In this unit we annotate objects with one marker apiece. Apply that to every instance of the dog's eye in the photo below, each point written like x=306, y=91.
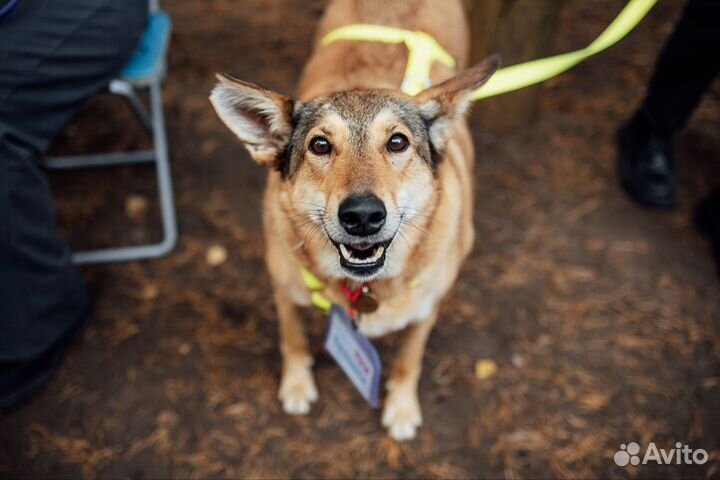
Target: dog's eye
x=398, y=143
x=320, y=146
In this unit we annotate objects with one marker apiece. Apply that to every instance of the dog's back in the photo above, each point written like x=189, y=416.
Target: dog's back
x=346, y=65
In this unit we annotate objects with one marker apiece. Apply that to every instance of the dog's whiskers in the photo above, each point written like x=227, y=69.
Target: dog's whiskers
x=411, y=224
x=317, y=205
x=404, y=237
x=307, y=239
x=415, y=213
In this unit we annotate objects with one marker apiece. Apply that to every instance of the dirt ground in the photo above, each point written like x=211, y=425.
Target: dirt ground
x=603, y=317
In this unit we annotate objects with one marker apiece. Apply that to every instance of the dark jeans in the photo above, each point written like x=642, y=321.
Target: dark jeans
x=686, y=68
x=54, y=55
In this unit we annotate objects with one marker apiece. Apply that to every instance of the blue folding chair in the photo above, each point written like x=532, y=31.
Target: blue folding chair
x=146, y=70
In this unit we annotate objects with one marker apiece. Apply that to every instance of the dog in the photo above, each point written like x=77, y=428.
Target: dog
x=368, y=186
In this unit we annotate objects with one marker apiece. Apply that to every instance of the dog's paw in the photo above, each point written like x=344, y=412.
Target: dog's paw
x=297, y=391
x=401, y=415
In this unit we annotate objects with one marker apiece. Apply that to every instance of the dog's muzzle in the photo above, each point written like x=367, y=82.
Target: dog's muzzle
x=362, y=217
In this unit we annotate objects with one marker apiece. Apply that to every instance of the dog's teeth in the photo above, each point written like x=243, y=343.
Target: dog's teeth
x=347, y=253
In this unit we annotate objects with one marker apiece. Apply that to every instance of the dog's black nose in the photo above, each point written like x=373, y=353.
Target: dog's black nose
x=362, y=215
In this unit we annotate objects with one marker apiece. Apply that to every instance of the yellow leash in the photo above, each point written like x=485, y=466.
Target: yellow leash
x=423, y=50
x=526, y=74
x=319, y=301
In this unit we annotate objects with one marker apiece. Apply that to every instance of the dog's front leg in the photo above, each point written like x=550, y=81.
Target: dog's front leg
x=401, y=414
x=297, y=386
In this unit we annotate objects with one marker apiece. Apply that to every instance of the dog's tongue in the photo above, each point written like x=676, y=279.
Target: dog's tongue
x=363, y=246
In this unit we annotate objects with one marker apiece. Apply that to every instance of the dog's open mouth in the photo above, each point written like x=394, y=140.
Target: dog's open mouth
x=362, y=259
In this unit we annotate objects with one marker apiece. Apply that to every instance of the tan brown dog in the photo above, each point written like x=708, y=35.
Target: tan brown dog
x=368, y=185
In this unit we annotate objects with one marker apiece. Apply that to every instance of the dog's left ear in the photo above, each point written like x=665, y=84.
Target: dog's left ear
x=261, y=118
x=443, y=104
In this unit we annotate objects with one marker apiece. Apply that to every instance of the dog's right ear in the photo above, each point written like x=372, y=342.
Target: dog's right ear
x=262, y=119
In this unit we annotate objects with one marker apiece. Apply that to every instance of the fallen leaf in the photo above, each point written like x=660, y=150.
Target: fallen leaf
x=136, y=207
x=150, y=292
x=216, y=255
x=485, y=368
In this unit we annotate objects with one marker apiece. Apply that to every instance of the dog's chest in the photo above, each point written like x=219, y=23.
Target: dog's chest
x=390, y=318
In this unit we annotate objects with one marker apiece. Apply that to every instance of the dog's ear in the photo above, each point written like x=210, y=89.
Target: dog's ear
x=261, y=118
x=441, y=105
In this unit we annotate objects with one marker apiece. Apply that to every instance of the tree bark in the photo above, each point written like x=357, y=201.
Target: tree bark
x=519, y=30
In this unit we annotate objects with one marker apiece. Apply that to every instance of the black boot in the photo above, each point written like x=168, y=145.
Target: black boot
x=646, y=165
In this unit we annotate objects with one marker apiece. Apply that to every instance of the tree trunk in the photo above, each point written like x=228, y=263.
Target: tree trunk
x=519, y=30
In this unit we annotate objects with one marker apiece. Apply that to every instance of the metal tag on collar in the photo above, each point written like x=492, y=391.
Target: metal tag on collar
x=366, y=302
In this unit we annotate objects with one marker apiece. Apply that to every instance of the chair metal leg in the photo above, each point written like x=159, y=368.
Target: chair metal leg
x=125, y=89
x=71, y=162
x=167, y=206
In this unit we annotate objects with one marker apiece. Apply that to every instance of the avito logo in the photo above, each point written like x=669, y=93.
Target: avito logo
x=680, y=455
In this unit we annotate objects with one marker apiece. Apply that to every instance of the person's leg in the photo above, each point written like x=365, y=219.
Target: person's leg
x=707, y=219
x=685, y=69
x=54, y=55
